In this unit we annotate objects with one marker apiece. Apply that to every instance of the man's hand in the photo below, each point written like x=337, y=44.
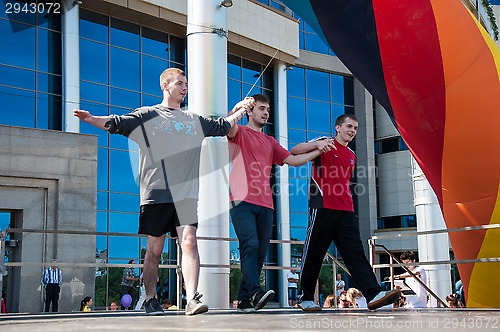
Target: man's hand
x=84, y=116
x=325, y=145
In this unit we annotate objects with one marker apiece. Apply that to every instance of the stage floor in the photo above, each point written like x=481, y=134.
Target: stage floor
x=264, y=320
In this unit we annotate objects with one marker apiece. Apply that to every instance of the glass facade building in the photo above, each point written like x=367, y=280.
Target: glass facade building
x=120, y=63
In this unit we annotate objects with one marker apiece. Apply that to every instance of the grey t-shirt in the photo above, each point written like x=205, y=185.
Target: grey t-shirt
x=170, y=144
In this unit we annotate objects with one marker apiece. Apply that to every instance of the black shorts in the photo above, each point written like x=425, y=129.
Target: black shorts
x=160, y=219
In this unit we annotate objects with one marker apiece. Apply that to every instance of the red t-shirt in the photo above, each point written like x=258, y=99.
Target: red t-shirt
x=252, y=155
x=331, y=174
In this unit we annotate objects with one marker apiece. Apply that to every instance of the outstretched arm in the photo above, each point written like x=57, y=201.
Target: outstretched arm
x=323, y=145
x=237, y=113
x=308, y=151
x=98, y=121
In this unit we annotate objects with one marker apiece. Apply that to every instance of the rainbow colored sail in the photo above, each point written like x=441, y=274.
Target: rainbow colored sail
x=436, y=71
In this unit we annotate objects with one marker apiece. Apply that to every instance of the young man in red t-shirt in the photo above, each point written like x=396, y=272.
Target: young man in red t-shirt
x=252, y=155
x=332, y=218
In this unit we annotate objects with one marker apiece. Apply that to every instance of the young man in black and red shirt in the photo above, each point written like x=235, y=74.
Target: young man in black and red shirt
x=332, y=218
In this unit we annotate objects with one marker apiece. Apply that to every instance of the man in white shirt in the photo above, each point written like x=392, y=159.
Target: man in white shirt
x=339, y=285
x=419, y=300
x=293, y=281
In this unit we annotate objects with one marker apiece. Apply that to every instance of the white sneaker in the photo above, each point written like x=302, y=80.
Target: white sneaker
x=309, y=306
x=384, y=299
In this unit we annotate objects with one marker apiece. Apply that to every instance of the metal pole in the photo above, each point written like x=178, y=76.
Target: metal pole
x=3, y=236
x=283, y=195
x=207, y=73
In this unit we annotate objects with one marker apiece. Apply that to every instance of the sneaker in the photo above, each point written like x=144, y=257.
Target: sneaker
x=260, y=299
x=309, y=306
x=384, y=298
x=153, y=307
x=195, y=307
x=245, y=306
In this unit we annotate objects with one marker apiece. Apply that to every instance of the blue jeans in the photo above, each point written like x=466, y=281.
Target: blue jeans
x=253, y=225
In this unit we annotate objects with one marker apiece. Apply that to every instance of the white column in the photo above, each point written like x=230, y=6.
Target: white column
x=365, y=164
x=71, y=65
x=207, y=77
x=282, y=199
x=433, y=247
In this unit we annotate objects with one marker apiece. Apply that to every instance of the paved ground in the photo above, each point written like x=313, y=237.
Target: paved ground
x=265, y=320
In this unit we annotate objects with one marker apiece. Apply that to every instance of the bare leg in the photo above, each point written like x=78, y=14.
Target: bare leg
x=190, y=259
x=154, y=248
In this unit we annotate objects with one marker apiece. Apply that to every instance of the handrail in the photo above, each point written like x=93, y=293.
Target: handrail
x=411, y=273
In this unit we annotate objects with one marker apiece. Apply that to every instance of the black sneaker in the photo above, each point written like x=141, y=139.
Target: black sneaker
x=260, y=299
x=153, y=307
x=195, y=306
x=245, y=306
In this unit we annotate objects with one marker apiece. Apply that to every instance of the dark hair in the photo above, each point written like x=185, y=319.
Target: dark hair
x=341, y=119
x=263, y=99
x=130, y=261
x=85, y=300
x=407, y=255
x=454, y=300
x=166, y=301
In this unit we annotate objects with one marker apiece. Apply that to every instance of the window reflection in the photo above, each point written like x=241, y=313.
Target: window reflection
x=124, y=69
x=19, y=40
x=124, y=34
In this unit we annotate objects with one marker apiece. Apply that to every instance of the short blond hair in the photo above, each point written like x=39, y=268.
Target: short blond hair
x=167, y=75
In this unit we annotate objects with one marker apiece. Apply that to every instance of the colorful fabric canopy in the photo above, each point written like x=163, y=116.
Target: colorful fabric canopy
x=435, y=70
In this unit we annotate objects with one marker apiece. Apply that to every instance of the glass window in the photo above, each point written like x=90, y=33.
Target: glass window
x=85, y=128
x=124, y=223
x=155, y=43
x=124, y=98
x=150, y=100
x=349, y=91
x=102, y=169
x=49, y=51
x=126, y=203
x=296, y=82
x=299, y=220
x=94, y=26
x=318, y=117
x=251, y=72
x=18, y=78
x=49, y=83
x=317, y=85
x=49, y=111
x=93, y=62
x=296, y=136
x=23, y=102
x=124, y=34
x=94, y=92
x=102, y=200
x=233, y=92
x=121, y=176
x=337, y=83
x=125, y=69
x=178, y=52
x=296, y=113
x=123, y=247
x=50, y=21
x=42, y=112
x=389, y=145
x=315, y=44
x=101, y=222
x=19, y=40
x=298, y=233
x=151, y=70
x=298, y=189
x=233, y=67
x=21, y=16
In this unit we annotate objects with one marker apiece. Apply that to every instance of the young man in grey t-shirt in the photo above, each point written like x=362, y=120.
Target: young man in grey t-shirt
x=170, y=141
